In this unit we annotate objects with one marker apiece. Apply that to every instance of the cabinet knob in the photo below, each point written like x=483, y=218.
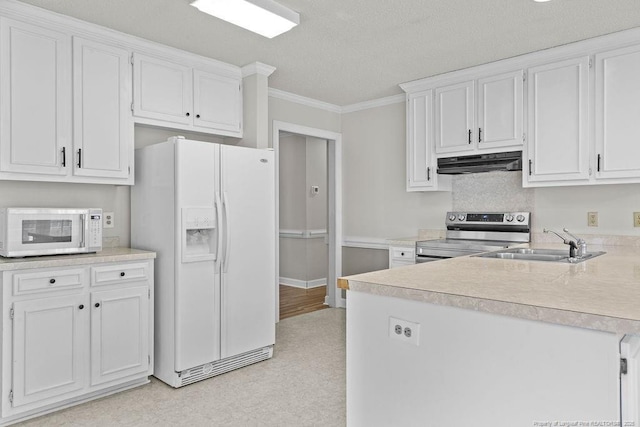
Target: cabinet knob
x=188, y=114
x=97, y=305
x=52, y=281
x=402, y=253
x=81, y=306
x=197, y=116
x=122, y=274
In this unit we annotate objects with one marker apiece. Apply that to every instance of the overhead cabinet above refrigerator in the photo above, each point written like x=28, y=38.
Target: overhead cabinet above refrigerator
x=208, y=210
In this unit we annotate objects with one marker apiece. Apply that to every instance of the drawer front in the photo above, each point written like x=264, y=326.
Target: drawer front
x=48, y=280
x=119, y=273
x=401, y=253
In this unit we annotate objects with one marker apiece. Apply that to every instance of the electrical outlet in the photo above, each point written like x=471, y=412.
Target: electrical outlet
x=108, y=220
x=636, y=219
x=405, y=331
x=592, y=219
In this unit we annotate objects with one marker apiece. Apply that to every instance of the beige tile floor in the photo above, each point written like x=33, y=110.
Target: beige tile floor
x=302, y=385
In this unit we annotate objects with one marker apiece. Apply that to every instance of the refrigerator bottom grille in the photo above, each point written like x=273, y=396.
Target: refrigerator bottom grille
x=209, y=370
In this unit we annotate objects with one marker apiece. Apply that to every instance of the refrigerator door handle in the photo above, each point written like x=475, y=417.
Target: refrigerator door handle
x=218, y=205
x=227, y=231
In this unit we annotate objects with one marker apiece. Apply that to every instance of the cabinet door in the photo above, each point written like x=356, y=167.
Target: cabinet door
x=35, y=81
x=420, y=159
x=162, y=90
x=49, y=348
x=618, y=113
x=557, y=137
x=102, y=131
x=119, y=333
x=500, y=110
x=454, y=118
x=217, y=101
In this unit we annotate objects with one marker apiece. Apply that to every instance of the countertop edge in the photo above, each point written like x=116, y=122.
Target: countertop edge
x=511, y=309
x=106, y=255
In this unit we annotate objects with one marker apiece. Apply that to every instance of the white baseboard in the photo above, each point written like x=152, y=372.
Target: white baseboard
x=303, y=284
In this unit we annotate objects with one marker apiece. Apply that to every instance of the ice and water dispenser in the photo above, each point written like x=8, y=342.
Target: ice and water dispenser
x=199, y=234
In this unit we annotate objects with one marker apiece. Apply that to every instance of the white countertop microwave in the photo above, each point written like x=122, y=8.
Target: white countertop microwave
x=49, y=231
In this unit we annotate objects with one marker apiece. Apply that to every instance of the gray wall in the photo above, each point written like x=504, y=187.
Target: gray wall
x=303, y=163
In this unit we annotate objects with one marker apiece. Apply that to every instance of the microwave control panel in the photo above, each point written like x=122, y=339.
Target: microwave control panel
x=95, y=229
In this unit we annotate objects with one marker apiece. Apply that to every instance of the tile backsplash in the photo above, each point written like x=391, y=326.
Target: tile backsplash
x=491, y=191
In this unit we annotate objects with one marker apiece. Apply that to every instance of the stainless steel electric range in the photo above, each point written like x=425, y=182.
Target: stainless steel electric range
x=475, y=232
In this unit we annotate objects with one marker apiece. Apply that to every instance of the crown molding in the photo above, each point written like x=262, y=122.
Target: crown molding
x=310, y=102
x=257, y=68
x=303, y=100
x=380, y=102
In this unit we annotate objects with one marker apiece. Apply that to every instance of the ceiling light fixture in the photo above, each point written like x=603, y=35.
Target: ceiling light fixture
x=264, y=17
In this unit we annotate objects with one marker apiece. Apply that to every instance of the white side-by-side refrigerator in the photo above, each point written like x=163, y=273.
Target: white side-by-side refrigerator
x=208, y=211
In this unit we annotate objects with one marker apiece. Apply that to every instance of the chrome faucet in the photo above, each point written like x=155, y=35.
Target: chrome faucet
x=577, y=247
x=580, y=243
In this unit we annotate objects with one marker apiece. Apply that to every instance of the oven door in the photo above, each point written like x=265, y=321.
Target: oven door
x=45, y=231
x=429, y=254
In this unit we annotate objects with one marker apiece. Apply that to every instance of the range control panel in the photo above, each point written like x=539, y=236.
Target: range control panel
x=488, y=218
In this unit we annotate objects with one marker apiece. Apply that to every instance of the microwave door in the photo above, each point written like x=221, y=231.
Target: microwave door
x=32, y=234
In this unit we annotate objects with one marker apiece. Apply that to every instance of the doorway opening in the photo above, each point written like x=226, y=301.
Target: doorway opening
x=308, y=188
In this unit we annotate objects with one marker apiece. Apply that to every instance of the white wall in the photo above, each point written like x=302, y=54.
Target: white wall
x=110, y=198
x=375, y=200
x=303, y=162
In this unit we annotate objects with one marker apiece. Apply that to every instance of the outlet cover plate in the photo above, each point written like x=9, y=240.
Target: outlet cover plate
x=404, y=331
x=592, y=219
x=108, y=220
x=636, y=219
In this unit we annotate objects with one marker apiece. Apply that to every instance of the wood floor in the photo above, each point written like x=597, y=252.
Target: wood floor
x=294, y=301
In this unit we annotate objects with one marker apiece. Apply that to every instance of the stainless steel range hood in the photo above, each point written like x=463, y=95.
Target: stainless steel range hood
x=509, y=161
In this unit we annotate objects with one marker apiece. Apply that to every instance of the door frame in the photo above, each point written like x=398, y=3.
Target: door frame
x=334, y=200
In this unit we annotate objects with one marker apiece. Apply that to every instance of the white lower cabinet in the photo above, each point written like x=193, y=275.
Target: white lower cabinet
x=64, y=344
x=119, y=333
x=401, y=255
x=49, y=337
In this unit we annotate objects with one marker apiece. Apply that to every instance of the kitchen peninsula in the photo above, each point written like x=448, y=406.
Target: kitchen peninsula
x=500, y=342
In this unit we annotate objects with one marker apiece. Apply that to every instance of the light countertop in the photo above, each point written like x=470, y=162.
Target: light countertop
x=602, y=293
x=106, y=255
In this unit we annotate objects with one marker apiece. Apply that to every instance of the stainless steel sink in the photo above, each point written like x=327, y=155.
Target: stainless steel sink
x=548, y=255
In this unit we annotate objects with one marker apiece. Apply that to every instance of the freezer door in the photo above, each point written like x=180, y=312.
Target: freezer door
x=197, y=284
x=248, y=255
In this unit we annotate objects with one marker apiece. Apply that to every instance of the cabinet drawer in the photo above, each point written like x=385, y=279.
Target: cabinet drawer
x=48, y=280
x=401, y=253
x=119, y=273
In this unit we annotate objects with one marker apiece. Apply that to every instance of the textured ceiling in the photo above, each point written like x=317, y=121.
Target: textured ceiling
x=349, y=51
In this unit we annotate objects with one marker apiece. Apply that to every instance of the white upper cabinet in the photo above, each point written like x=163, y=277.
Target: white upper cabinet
x=421, y=166
x=162, y=90
x=217, y=101
x=557, y=137
x=500, y=110
x=35, y=107
x=72, y=92
x=454, y=117
x=480, y=115
x=617, y=114
x=170, y=94
x=40, y=70
x=103, y=129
